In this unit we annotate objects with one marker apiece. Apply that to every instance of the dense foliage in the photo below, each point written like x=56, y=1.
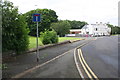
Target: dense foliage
x=14, y=31
x=49, y=37
x=61, y=27
x=77, y=24
x=114, y=29
x=47, y=17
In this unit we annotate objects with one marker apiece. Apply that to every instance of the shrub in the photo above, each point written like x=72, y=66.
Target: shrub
x=14, y=29
x=49, y=37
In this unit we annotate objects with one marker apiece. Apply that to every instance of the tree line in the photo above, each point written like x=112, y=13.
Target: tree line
x=114, y=29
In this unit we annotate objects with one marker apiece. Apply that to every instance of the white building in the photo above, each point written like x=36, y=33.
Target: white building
x=96, y=29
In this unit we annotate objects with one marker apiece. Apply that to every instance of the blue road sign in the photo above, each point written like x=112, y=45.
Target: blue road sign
x=36, y=17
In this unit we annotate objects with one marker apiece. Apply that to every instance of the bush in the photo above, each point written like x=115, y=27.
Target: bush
x=14, y=29
x=49, y=37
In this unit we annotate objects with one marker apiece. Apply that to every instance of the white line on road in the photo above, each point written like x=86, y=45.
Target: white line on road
x=80, y=73
x=85, y=66
x=85, y=69
x=80, y=53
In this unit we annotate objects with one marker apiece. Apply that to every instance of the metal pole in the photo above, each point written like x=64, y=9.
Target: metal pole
x=37, y=53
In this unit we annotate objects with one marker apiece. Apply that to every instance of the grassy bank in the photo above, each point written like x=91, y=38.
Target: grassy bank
x=67, y=38
x=32, y=43
x=61, y=39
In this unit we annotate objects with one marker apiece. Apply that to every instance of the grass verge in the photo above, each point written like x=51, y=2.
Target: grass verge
x=32, y=42
x=61, y=39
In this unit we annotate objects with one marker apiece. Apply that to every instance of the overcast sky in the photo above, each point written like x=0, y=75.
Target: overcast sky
x=91, y=11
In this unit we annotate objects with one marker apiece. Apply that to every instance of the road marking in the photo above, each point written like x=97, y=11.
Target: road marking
x=38, y=66
x=85, y=64
x=78, y=68
x=80, y=73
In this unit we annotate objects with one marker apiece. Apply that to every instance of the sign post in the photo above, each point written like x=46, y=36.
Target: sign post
x=36, y=18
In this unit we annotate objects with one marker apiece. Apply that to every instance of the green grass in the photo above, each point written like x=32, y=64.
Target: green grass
x=33, y=41
x=67, y=38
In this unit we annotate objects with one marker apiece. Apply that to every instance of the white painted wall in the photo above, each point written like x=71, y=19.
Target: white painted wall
x=96, y=29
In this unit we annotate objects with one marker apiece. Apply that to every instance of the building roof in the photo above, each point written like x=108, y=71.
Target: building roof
x=75, y=29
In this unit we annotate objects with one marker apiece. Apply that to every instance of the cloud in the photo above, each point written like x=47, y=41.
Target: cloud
x=84, y=10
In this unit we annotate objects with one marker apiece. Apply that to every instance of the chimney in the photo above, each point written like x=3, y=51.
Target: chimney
x=96, y=23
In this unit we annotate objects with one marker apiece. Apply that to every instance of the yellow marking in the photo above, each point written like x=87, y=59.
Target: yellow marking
x=84, y=66
x=87, y=65
x=80, y=73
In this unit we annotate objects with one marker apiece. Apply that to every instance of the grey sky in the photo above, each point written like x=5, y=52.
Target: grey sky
x=91, y=11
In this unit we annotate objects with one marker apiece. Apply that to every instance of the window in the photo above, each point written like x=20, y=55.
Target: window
x=73, y=32
x=96, y=29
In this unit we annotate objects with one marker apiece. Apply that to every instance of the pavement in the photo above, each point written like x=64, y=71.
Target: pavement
x=27, y=61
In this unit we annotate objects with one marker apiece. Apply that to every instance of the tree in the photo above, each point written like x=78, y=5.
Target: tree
x=47, y=17
x=14, y=31
x=77, y=24
x=61, y=27
x=114, y=29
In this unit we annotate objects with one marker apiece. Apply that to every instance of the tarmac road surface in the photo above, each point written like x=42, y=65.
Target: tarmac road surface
x=102, y=56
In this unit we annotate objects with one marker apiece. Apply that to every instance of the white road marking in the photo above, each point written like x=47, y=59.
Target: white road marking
x=80, y=73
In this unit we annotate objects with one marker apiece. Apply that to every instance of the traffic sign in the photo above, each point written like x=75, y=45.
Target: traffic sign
x=36, y=17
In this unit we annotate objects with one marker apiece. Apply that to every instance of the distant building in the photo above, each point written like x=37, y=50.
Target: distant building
x=98, y=29
x=75, y=31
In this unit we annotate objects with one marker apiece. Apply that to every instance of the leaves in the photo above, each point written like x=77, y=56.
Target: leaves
x=61, y=27
x=47, y=17
x=49, y=37
x=14, y=29
x=114, y=29
x=77, y=24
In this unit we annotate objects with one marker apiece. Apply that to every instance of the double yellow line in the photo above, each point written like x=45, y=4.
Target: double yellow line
x=85, y=66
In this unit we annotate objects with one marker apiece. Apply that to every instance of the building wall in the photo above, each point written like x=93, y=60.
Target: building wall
x=96, y=29
x=75, y=31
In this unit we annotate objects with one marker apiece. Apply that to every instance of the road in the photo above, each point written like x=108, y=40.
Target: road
x=100, y=54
